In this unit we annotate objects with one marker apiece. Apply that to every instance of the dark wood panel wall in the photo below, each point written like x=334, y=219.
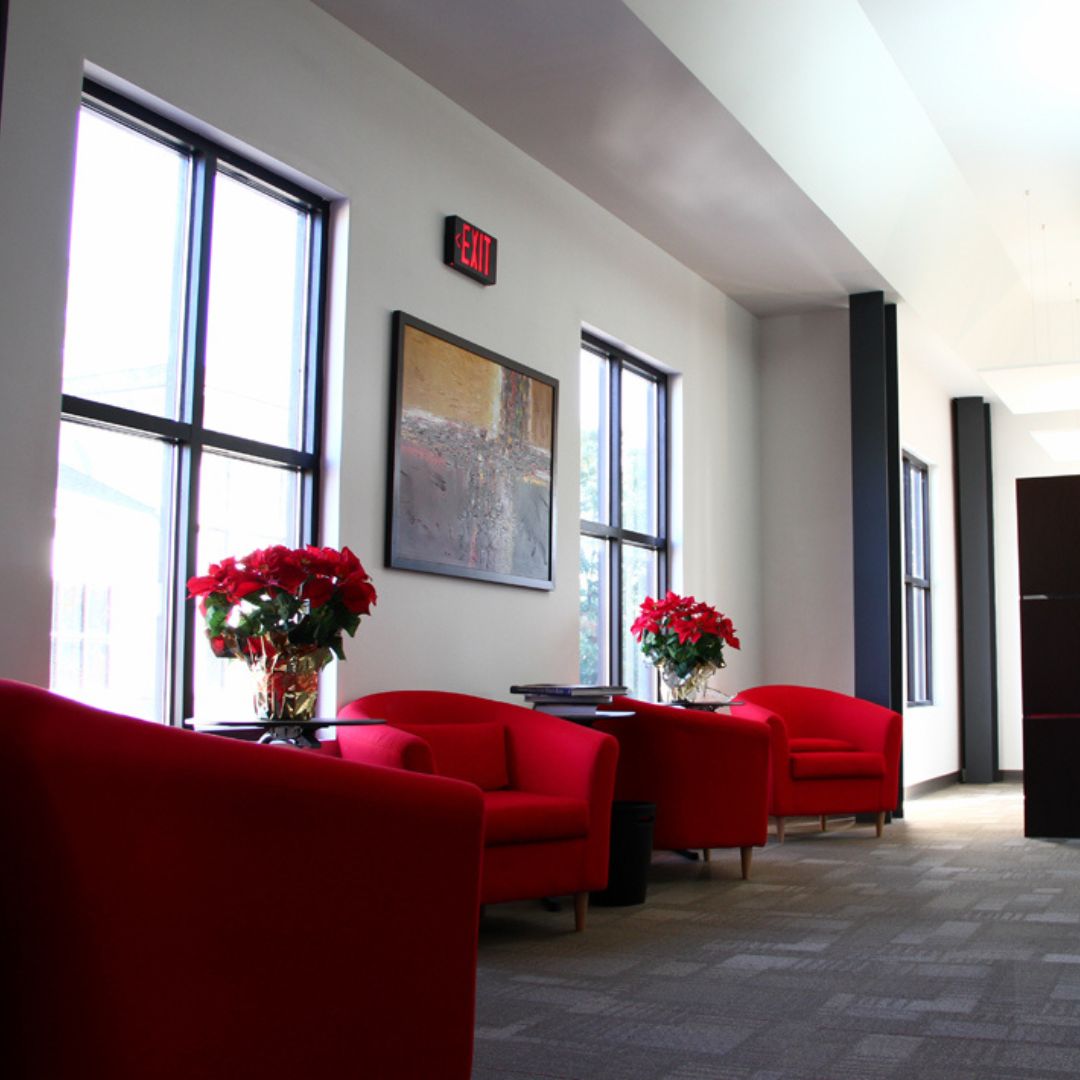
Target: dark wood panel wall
x=1048, y=516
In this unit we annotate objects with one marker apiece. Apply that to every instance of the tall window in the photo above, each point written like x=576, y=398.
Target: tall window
x=917, y=580
x=624, y=518
x=190, y=401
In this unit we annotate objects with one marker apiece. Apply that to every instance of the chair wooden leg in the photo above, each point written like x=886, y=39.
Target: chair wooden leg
x=879, y=822
x=779, y=830
x=706, y=854
x=581, y=907
x=823, y=824
x=745, y=855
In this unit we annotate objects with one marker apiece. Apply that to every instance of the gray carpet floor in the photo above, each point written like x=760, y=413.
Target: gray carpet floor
x=947, y=950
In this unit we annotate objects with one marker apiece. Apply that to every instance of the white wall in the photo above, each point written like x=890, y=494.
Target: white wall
x=806, y=524
x=281, y=78
x=932, y=732
x=807, y=585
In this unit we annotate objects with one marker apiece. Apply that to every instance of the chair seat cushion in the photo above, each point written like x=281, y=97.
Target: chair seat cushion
x=835, y=765
x=473, y=752
x=524, y=817
x=815, y=746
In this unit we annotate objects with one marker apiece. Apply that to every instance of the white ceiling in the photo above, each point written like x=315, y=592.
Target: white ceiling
x=795, y=151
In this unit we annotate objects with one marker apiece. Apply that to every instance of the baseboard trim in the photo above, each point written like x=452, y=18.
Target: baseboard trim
x=928, y=787
x=938, y=783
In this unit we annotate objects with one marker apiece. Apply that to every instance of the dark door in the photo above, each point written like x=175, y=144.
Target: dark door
x=1048, y=516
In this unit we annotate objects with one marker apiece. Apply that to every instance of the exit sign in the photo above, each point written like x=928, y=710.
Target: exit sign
x=470, y=250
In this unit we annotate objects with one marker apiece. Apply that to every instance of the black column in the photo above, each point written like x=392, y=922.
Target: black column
x=876, y=506
x=975, y=585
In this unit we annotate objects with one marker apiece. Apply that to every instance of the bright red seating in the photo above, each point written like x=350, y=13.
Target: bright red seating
x=831, y=753
x=707, y=773
x=547, y=784
x=178, y=905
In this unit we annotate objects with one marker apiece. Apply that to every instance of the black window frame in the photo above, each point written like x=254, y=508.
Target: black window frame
x=612, y=533
x=188, y=435
x=919, y=658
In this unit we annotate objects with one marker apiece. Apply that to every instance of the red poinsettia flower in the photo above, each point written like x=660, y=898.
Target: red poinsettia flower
x=683, y=632
x=281, y=599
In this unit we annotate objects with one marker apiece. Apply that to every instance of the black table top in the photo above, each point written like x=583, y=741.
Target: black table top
x=257, y=724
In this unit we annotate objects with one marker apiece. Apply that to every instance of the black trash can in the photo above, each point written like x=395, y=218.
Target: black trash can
x=631, y=854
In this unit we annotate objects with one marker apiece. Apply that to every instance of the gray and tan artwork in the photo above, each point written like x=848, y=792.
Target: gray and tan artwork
x=474, y=461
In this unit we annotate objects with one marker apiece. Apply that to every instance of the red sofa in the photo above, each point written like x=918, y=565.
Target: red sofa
x=831, y=753
x=707, y=773
x=177, y=905
x=547, y=784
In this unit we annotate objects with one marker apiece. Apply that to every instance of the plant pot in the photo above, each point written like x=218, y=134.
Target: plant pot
x=689, y=685
x=286, y=684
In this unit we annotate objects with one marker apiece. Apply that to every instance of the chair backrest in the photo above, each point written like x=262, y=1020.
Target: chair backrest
x=466, y=735
x=411, y=707
x=176, y=905
x=807, y=712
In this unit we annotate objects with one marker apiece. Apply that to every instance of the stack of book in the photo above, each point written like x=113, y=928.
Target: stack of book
x=574, y=701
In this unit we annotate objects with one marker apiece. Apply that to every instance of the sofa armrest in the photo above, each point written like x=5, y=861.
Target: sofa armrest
x=387, y=746
x=812, y=711
x=779, y=747
x=553, y=756
x=864, y=723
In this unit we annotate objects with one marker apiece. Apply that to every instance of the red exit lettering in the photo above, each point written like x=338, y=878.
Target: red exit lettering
x=470, y=250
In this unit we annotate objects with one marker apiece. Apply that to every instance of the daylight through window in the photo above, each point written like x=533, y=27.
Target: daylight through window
x=623, y=556
x=917, y=580
x=190, y=401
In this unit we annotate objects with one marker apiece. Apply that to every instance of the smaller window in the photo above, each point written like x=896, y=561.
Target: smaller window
x=623, y=554
x=917, y=580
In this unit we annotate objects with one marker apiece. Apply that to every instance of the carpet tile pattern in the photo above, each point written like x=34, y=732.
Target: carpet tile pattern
x=947, y=950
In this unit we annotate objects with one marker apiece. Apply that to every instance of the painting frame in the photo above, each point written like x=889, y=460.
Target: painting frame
x=471, y=462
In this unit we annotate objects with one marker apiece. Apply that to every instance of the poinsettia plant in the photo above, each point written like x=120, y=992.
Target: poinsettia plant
x=280, y=599
x=680, y=633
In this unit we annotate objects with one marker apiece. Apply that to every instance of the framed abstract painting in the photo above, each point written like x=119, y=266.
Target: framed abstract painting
x=472, y=461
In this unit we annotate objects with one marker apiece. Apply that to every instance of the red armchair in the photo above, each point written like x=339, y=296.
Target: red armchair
x=707, y=773
x=178, y=905
x=831, y=753
x=547, y=784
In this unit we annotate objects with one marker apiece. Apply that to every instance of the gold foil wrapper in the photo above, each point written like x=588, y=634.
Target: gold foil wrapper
x=687, y=687
x=286, y=684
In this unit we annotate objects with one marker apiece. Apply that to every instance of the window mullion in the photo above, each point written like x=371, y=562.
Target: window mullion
x=615, y=644
x=663, y=485
x=119, y=418
x=615, y=443
x=318, y=270
x=182, y=647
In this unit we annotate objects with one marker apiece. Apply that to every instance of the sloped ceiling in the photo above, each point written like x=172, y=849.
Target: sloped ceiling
x=794, y=153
